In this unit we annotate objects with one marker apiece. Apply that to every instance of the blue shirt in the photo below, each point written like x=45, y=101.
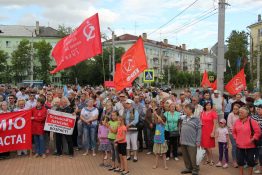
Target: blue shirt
x=128, y=120
x=159, y=134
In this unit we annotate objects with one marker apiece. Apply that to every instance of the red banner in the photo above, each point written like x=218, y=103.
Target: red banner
x=133, y=63
x=237, y=83
x=205, y=81
x=15, y=131
x=60, y=122
x=214, y=85
x=83, y=43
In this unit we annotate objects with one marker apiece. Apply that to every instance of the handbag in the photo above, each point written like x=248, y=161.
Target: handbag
x=172, y=133
x=256, y=142
x=200, y=155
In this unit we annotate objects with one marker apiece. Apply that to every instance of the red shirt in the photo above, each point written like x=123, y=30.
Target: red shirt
x=242, y=133
x=121, y=133
x=39, y=120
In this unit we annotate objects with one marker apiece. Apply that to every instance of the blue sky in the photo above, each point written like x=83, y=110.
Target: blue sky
x=137, y=16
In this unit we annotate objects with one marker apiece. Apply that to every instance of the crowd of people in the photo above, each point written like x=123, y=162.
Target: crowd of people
x=166, y=124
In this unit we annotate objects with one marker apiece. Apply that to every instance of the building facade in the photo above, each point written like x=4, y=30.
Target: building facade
x=11, y=35
x=256, y=34
x=162, y=54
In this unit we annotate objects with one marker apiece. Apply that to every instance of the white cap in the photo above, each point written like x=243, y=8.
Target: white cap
x=129, y=101
x=216, y=92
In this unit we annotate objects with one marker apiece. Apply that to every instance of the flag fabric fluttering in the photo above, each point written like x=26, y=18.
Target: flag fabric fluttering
x=214, y=85
x=133, y=63
x=237, y=83
x=82, y=44
x=205, y=81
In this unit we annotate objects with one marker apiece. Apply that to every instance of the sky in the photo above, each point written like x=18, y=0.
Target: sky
x=138, y=16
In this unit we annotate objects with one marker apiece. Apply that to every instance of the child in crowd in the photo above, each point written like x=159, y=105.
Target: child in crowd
x=103, y=140
x=223, y=140
x=160, y=145
x=112, y=125
x=121, y=145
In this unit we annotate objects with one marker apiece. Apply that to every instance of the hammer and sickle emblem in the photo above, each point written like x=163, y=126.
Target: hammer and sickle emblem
x=89, y=34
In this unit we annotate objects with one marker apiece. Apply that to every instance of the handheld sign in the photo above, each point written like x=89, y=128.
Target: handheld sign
x=60, y=122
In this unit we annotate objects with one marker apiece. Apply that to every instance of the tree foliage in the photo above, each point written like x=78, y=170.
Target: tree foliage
x=21, y=60
x=64, y=31
x=4, y=74
x=237, y=44
x=94, y=70
x=42, y=55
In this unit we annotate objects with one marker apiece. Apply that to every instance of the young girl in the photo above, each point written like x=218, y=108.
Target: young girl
x=103, y=140
x=121, y=145
x=160, y=146
x=223, y=140
x=112, y=126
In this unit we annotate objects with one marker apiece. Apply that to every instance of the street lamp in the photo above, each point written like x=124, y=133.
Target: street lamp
x=31, y=57
x=251, y=54
x=113, y=49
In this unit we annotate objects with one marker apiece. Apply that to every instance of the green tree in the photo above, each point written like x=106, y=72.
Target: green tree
x=42, y=55
x=4, y=78
x=237, y=44
x=21, y=61
x=64, y=31
x=92, y=71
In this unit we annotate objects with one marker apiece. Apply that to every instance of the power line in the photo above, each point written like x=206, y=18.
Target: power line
x=173, y=17
x=198, y=17
x=182, y=28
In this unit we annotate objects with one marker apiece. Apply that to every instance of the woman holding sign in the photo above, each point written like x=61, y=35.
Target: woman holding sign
x=89, y=116
x=64, y=107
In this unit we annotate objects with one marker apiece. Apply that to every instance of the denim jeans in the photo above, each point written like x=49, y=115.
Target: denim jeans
x=39, y=144
x=234, y=146
x=80, y=133
x=89, y=136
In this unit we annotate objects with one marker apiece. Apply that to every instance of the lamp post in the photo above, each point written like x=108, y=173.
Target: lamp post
x=113, y=49
x=31, y=57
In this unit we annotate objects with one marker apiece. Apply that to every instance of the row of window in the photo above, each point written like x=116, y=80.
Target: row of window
x=9, y=44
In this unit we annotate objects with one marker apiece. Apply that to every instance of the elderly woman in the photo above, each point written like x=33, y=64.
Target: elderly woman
x=131, y=117
x=39, y=114
x=172, y=131
x=89, y=116
x=64, y=107
x=4, y=109
x=246, y=131
x=190, y=138
x=231, y=120
x=21, y=107
x=150, y=123
x=108, y=109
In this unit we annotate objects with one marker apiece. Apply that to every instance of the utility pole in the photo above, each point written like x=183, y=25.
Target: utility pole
x=258, y=60
x=221, y=46
x=113, y=50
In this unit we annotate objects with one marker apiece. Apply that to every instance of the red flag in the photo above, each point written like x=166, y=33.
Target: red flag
x=15, y=131
x=237, y=83
x=205, y=81
x=133, y=63
x=82, y=44
x=214, y=85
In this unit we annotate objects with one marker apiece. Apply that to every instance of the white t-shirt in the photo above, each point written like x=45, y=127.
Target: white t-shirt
x=30, y=104
x=87, y=114
x=222, y=134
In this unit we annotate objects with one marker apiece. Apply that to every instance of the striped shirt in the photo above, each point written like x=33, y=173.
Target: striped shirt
x=258, y=119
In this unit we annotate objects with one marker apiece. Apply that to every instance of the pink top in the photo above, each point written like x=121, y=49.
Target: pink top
x=222, y=134
x=231, y=120
x=102, y=134
x=242, y=133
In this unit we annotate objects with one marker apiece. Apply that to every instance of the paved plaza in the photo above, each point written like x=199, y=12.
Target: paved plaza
x=89, y=165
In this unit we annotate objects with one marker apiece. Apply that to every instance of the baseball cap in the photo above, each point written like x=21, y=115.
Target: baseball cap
x=222, y=121
x=129, y=101
x=216, y=92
